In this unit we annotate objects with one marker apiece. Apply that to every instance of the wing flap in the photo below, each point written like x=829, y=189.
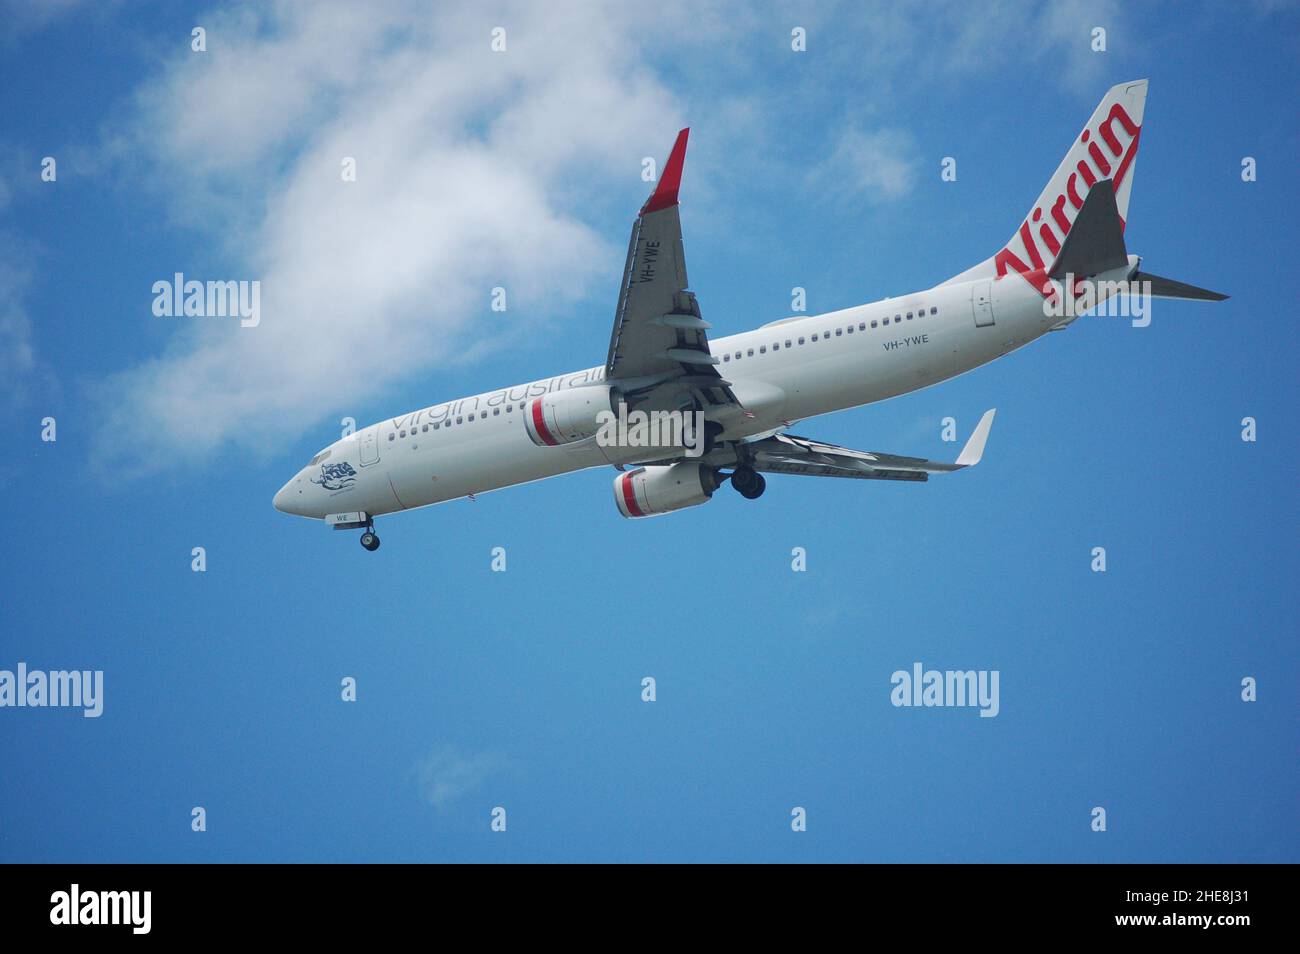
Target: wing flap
x=788, y=454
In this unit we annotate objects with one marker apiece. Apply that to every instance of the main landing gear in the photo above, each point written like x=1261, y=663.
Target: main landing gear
x=369, y=539
x=748, y=482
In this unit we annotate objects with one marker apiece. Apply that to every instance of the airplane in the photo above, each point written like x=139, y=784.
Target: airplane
x=741, y=394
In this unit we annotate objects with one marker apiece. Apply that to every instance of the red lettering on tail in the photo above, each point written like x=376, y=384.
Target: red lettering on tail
x=1033, y=271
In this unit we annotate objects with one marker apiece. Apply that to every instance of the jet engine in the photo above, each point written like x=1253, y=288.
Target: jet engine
x=563, y=417
x=657, y=489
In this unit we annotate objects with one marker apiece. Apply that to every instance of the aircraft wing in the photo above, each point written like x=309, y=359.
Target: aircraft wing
x=787, y=454
x=658, y=333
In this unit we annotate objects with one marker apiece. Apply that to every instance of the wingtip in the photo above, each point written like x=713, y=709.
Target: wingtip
x=665, y=194
x=973, y=452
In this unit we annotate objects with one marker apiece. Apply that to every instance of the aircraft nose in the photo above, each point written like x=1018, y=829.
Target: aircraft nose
x=281, y=499
x=288, y=499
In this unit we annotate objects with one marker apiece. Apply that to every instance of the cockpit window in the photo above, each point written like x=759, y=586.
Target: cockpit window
x=319, y=457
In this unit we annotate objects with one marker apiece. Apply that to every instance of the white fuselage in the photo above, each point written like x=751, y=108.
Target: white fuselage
x=778, y=373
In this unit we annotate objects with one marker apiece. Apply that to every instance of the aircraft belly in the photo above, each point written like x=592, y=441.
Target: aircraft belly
x=476, y=464
x=376, y=493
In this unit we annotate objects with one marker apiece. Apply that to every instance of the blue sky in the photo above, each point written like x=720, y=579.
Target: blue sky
x=523, y=689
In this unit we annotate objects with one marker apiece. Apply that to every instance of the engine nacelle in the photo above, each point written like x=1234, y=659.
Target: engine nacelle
x=563, y=417
x=658, y=489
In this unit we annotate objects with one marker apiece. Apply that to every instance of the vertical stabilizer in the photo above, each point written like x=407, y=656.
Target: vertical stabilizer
x=1105, y=149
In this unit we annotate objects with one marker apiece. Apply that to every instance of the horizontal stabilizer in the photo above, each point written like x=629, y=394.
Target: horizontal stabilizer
x=1095, y=243
x=1168, y=288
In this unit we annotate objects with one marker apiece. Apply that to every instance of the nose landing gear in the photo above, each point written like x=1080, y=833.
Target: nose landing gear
x=370, y=539
x=356, y=520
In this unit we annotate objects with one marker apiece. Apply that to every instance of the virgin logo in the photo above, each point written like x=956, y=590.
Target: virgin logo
x=1053, y=225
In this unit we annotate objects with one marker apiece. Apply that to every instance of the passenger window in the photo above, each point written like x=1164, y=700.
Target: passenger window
x=763, y=349
x=750, y=352
x=909, y=316
x=873, y=322
x=862, y=326
x=459, y=419
x=496, y=412
x=886, y=321
x=787, y=342
x=391, y=436
x=934, y=311
x=839, y=332
x=483, y=416
x=726, y=357
x=801, y=340
x=814, y=337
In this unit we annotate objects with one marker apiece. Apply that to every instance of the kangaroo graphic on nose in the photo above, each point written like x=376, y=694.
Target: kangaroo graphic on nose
x=338, y=476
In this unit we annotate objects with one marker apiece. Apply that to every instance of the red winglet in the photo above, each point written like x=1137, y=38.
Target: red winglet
x=665, y=193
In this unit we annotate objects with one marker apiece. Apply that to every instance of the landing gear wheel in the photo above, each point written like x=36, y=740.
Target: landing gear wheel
x=748, y=483
x=370, y=541
x=755, y=489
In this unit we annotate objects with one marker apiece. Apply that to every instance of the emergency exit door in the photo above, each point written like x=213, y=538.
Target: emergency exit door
x=370, y=445
x=981, y=303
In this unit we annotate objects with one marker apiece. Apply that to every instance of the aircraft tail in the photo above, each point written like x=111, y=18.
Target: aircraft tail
x=1105, y=150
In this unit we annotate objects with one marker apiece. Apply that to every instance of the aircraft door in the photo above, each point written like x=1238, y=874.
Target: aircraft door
x=370, y=445
x=981, y=303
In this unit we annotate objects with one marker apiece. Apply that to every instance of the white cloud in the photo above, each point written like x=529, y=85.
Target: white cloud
x=17, y=269
x=19, y=18
x=875, y=165
x=17, y=353
x=449, y=774
x=1066, y=28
